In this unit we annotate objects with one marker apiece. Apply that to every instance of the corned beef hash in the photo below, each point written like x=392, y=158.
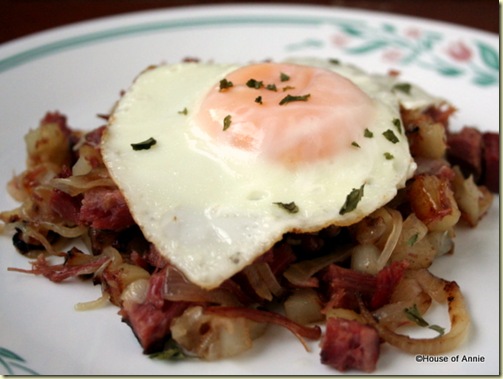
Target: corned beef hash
x=219, y=199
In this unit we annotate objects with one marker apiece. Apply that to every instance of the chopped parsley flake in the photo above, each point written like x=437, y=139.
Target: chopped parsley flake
x=252, y=83
x=144, y=145
x=368, y=134
x=413, y=239
x=390, y=136
x=227, y=122
x=289, y=98
x=398, y=124
x=388, y=156
x=271, y=87
x=352, y=200
x=225, y=84
x=403, y=87
x=290, y=207
x=258, y=99
x=334, y=61
x=437, y=329
x=355, y=144
x=287, y=88
x=284, y=77
x=184, y=111
x=172, y=351
x=413, y=314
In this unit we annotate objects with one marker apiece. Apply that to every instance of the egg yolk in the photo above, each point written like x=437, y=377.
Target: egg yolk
x=287, y=113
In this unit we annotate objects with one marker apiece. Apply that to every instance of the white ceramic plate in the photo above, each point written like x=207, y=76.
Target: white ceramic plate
x=80, y=70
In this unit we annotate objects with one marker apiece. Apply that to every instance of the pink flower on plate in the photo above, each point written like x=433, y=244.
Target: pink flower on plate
x=413, y=32
x=392, y=55
x=340, y=40
x=459, y=51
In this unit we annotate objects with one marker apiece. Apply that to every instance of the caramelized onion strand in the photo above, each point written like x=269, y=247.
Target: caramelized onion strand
x=458, y=314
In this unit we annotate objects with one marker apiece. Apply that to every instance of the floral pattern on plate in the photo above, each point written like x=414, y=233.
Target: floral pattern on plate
x=430, y=50
x=13, y=363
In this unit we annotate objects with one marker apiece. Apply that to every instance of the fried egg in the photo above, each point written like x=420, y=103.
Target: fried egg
x=218, y=161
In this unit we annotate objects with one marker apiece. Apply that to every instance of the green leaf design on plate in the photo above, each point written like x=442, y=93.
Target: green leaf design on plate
x=488, y=55
x=450, y=71
x=352, y=30
x=367, y=47
x=12, y=361
x=389, y=28
x=430, y=40
x=414, y=46
x=484, y=79
x=307, y=43
x=10, y=354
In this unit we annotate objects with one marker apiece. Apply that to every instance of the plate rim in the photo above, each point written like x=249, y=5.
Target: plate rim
x=179, y=14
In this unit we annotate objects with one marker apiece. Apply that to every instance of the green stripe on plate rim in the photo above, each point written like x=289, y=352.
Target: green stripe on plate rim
x=474, y=59
x=103, y=35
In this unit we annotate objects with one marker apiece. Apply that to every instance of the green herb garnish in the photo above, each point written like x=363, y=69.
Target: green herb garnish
x=355, y=144
x=184, y=111
x=368, y=134
x=413, y=314
x=284, y=77
x=437, y=329
x=172, y=351
x=413, y=239
x=388, y=156
x=227, y=122
x=289, y=98
x=271, y=87
x=287, y=88
x=390, y=136
x=398, y=124
x=144, y=145
x=258, y=99
x=252, y=83
x=352, y=200
x=403, y=87
x=290, y=207
x=225, y=84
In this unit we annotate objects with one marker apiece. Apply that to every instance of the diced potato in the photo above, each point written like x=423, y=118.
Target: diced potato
x=47, y=144
x=303, y=306
x=429, y=141
x=432, y=200
x=473, y=200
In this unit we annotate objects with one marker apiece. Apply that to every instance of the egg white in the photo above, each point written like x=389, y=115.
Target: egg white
x=211, y=210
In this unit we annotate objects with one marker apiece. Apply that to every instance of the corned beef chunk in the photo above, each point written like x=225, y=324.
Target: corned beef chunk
x=148, y=258
x=386, y=281
x=105, y=208
x=343, y=284
x=477, y=154
x=465, y=149
x=491, y=161
x=65, y=206
x=93, y=138
x=151, y=320
x=348, y=344
x=279, y=258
